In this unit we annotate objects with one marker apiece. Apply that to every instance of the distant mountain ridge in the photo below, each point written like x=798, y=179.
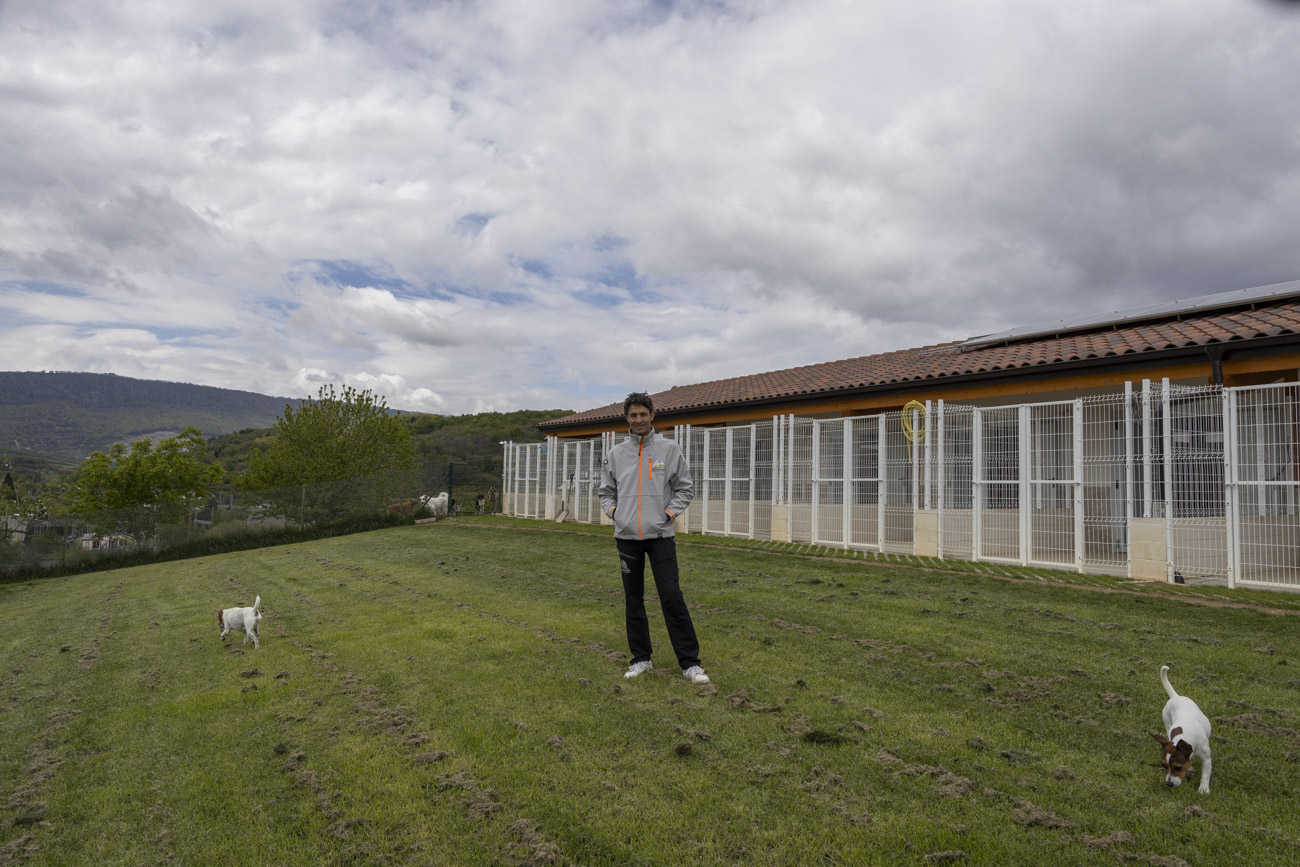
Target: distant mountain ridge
x=63, y=417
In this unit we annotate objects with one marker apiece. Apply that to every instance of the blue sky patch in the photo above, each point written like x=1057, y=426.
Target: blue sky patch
x=354, y=274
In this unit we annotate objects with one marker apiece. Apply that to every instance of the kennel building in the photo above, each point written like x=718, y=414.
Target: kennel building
x=1158, y=443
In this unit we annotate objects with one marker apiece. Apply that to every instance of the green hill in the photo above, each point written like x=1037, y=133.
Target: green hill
x=60, y=418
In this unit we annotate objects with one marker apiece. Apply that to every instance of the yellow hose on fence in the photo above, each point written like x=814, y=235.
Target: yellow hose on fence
x=911, y=434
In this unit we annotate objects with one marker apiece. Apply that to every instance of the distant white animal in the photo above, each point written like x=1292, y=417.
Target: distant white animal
x=437, y=506
x=243, y=620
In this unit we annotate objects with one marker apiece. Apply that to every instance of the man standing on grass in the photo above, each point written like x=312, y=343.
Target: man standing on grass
x=644, y=485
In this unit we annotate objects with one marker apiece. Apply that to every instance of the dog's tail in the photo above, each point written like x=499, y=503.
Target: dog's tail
x=257, y=604
x=1164, y=681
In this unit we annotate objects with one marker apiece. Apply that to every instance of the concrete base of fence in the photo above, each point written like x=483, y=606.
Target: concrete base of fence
x=426, y=520
x=1148, y=549
x=780, y=522
x=925, y=533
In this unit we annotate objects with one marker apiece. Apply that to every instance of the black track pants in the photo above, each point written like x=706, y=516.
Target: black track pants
x=632, y=554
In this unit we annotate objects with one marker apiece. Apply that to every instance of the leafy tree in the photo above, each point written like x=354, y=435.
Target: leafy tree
x=336, y=436
x=177, y=468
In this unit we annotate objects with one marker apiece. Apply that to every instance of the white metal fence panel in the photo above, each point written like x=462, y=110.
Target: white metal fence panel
x=586, y=502
x=693, y=442
x=998, y=484
x=1266, y=428
x=764, y=478
x=1197, y=514
x=954, y=459
x=740, y=481
x=1052, y=484
x=1106, y=464
x=902, y=476
x=828, y=482
x=862, y=439
x=714, y=489
x=799, y=478
x=529, y=468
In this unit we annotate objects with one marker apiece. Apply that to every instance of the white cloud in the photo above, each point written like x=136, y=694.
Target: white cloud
x=501, y=205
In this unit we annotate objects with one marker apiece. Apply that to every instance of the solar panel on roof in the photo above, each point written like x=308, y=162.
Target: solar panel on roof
x=1200, y=304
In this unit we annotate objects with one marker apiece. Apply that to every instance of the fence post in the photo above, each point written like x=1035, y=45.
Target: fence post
x=789, y=480
x=1167, y=429
x=1025, y=473
x=1130, y=491
x=728, y=491
x=1146, y=448
x=1078, y=485
x=846, y=483
x=927, y=480
x=882, y=473
x=940, y=448
x=753, y=475
x=816, y=477
x=1232, y=492
x=505, y=474
x=977, y=484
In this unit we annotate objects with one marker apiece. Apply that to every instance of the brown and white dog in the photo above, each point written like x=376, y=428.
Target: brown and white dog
x=1188, y=737
x=243, y=620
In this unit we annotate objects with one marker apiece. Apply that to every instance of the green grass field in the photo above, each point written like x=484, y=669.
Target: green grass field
x=453, y=694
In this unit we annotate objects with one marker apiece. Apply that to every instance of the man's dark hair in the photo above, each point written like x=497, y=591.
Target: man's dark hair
x=639, y=398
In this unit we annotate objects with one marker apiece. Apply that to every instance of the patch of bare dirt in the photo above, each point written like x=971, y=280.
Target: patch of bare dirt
x=536, y=849
x=1111, y=841
x=740, y=700
x=1252, y=723
x=1031, y=815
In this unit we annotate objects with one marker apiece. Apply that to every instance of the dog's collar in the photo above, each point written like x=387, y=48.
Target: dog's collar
x=1175, y=732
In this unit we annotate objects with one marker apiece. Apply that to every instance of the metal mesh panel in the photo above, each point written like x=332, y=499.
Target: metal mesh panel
x=695, y=449
x=902, y=473
x=566, y=477
x=828, y=483
x=954, y=458
x=741, y=486
x=1051, y=484
x=799, y=472
x=999, y=494
x=1267, y=431
x=862, y=439
x=764, y=459
x=74, y=540
x=715, y=482
x=586, y=502
x=1106, y=467
x=1198, y=532
x=530, y=470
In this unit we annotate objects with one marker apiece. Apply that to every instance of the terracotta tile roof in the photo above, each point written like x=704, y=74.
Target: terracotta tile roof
x=952, y=359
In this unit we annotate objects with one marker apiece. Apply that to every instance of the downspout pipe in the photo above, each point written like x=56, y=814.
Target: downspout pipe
x=1215, y=354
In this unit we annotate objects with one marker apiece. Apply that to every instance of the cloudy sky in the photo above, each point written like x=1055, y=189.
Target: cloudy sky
x=508, y=204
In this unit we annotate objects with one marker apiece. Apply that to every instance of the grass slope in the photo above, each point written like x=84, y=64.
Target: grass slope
x=452, y=694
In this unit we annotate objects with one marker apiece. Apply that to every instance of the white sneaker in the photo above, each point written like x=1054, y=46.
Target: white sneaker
x=695, y=674
x=638, y=668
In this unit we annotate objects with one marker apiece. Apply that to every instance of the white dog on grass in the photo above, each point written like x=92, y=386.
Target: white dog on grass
x=243, y=620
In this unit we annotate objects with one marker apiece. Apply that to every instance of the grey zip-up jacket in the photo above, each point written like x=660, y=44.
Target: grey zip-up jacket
x=643, y=476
